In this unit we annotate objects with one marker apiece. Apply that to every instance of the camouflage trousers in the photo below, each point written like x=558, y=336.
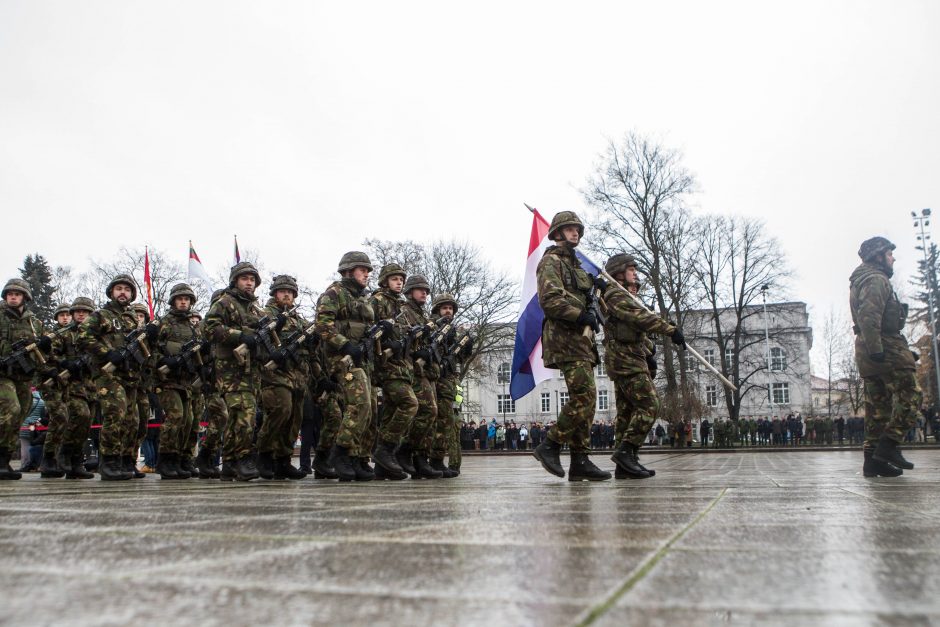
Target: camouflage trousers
x=216, y=419
x=443, y=443
x=366, y=442
x=119, y=414
x=332, y=413
x=399, y=406
x=76, y=433
x=637, y=408
x=175, y=434
x=57, y=410
x=420, y=433
x=15, y=402
x=242, y=405
x=892, y=404
x=574, y=420
x=283, y=413
x=143, y=418
x=357, y=410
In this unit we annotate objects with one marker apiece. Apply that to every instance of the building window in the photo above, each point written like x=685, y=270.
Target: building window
x=778, y=360
x=816, y=402
x=603, y=404
x=601, y=368
x=562, y=399
x=546, y=402
x=709, y=355
x=781, y=393
x=711, y=395
x=691, y=363
x=503, y=373
x=729, y=358
x=505, y=404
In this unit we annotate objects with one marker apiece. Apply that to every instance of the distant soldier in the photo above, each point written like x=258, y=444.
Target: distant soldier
x=885, y=361
x=18, y=331
x=627, y=356
x=568, y=344
x=284, y=383
x=216, y=413
x=232, y=328
x=453, y=359
x=344, y=316
x=81, y=394
x=144, y=390
x=105, y=336
x=55, y=395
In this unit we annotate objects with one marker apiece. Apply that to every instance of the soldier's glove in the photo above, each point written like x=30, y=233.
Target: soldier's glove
x=468, y=347
x=601, y=284
x=423, y=354
x=386, y=327
x=74, y=366
x=651, y=363
x=152, y=330
x=353, y=350
x=878, y=358
x=115, y=357
x=279, y=321
x=279, y=357
x=171, y=361
x=588, y=319
x=312, y=341
x=397, y=347
x=44, y=343
x=677, y=338
x=249, y=339
x=916, y=355
x=326, y=386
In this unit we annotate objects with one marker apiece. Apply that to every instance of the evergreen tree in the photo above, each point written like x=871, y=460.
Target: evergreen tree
x=926, y=284
x=38, y=274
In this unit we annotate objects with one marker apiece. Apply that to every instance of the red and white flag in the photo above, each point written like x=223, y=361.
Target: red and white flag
x=196, y=269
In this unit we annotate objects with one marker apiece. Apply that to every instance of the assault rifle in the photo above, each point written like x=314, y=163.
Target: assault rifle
x=292, y=345
x=371, y=341
x=435, y=340
x=593, y=305
x=24, y=357
x=135, y=347
x=190, y=358
x=267, y=328
x=448, y=363
x=75, y=368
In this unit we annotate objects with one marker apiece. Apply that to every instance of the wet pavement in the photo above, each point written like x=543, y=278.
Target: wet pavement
x=764, y=538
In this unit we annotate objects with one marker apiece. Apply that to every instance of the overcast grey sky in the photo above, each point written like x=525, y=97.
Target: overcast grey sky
x=305, y=127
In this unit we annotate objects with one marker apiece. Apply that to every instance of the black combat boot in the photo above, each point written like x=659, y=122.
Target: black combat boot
x=384, y=457
x=626, y=460
x=213, y=469
x=6, y=471
x=203, y=465
x=266, y=465
x=889, y=452
x=438, y=464
x=454, y=470
x=186, y=468
x=381, y=474
x=166, y=467
x=876, y=468
x=362, y=469
x=49, y=468
x=582, y=468
x=322, y=469
x=404, y=458
x=549, y=454
x=63, y=458
x=128, y=465
x=283, y=469
x=245, y=468
x=423, y=469
x=111, y=469
x=342, y=464
x=77, y=467
x=228, y=473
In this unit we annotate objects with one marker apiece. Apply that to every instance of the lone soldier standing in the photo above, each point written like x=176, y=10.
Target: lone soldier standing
x=564, y=289
x=16, y=325
x=885, y=361
x=344, y=315
x=232, y=327
x=628, y=358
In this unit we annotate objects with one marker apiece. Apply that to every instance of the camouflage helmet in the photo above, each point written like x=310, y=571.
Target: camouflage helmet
x=443, y=299
x=126, y=279
x=18, y=285
x=216, y=295
x=565, y=218
x=83, y=303
x=62, y=308
x=195, y=314
x=140, y=308
x=389, y=270
x=874, y=247
x=415, y=280
x=240, y=268
x=181, y=289
x=619, y=263
x=354, y=259
x=284, y=282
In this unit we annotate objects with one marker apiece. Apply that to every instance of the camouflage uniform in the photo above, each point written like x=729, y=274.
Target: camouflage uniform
x=55, y=394
x=216, y=413
x=421, y=434
x=15, y=395
x=82, y=399
x=102, y=335
x=230, y=320
x=453, y=360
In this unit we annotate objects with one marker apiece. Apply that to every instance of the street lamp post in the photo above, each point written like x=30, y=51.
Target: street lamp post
x=770, y=393
x=921, y=221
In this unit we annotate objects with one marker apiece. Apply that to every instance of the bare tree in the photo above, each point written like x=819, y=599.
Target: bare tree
x=835, y=348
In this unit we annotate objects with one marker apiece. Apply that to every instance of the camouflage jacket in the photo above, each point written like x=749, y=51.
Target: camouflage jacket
x=343, y=315
x=296, y=373
x=175, y=332
x=82, y=386
x=878, y=317
x=16, y=326
x=228, y=317
x=453, y=362
x=414, y=315
x=626, y=344
x=388, y=305
x=105, y=330
x=563, y=288
x=54, y=360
